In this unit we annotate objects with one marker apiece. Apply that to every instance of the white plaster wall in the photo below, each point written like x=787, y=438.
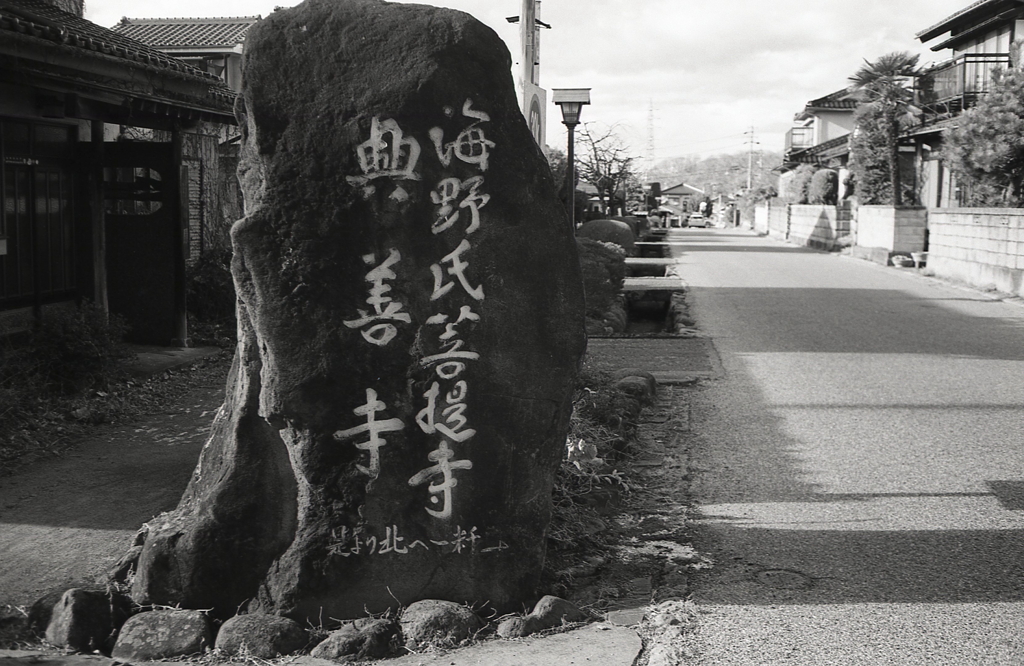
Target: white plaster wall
x=833, y=124
x=761, y=218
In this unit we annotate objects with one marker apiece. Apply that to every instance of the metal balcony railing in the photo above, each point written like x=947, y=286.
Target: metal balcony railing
x=958, y=83
x=799, y=138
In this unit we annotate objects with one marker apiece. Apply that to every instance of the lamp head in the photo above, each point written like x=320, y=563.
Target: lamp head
x=571, y=102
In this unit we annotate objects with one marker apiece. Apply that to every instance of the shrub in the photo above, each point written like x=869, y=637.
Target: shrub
x=604, y=272
x=799, y=189
x=75, y=349
x=869, y=158
x=824, y=188
x=211, y=299
x=211, y=289
x=749, y=200
x=986, y=149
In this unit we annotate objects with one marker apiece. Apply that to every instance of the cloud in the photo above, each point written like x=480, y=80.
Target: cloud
x=711, y=68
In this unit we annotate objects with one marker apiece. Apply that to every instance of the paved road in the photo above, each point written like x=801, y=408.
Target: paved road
x=860, y=466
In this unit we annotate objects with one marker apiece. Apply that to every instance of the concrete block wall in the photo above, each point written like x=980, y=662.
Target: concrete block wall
x=816, y=225
x=893, y=229
x=983, y=247
x=778, y=221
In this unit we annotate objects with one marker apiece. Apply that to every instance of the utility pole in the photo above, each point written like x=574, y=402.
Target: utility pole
x=650, y=141
x=751, y=141
x=533, y=98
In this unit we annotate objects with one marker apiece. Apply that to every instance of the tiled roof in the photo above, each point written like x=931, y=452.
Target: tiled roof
x=184, y=32
x=832, y=144
x=831, y=148
x=35, y=19
x=841, y=99
x=682, y=189
x=38, y=19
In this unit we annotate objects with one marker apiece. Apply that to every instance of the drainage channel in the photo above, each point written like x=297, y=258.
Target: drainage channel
x=659, y=335
x=653, y=293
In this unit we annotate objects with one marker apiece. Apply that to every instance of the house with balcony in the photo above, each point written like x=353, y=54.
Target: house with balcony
x=976, y=40
x=213, y=45
x=820, y=135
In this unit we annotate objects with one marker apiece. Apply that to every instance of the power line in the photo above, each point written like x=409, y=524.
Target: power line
x=720, y=138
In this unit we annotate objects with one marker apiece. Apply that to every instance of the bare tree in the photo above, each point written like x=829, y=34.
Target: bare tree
x=604, y=161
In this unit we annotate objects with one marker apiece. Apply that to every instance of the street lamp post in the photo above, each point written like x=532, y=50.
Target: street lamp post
x=571, y=101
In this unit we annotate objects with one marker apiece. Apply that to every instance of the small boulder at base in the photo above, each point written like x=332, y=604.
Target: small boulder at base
x=163, y=634
x=519, y=626
x=438, y=623
x=637, y=387
x=86, y=620
x=549, y=612
x=554, y=611
x=363, y=639
x=261, y=635
x=41, y=611
x=652, y=382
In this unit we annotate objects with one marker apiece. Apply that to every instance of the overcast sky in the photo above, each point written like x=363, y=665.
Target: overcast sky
x=712, y=69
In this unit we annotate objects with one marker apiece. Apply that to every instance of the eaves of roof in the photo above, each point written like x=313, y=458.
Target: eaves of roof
x=977, y=29
x=841, y=99
x=829, y=146
x=39, y=33
x=682, y=189
x=225, y=32
x=950, y=22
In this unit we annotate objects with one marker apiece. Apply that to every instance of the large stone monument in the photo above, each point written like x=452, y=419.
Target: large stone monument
x=410, y=316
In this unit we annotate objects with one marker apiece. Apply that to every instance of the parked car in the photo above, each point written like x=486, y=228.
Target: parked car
x=696, y=220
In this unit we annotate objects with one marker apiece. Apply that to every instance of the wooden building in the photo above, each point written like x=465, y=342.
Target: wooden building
x=85, y=214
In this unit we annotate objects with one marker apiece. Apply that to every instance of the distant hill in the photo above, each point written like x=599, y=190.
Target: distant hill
x=725, y=174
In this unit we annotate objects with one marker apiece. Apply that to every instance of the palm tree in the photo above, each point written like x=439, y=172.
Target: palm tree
x=885, y=84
